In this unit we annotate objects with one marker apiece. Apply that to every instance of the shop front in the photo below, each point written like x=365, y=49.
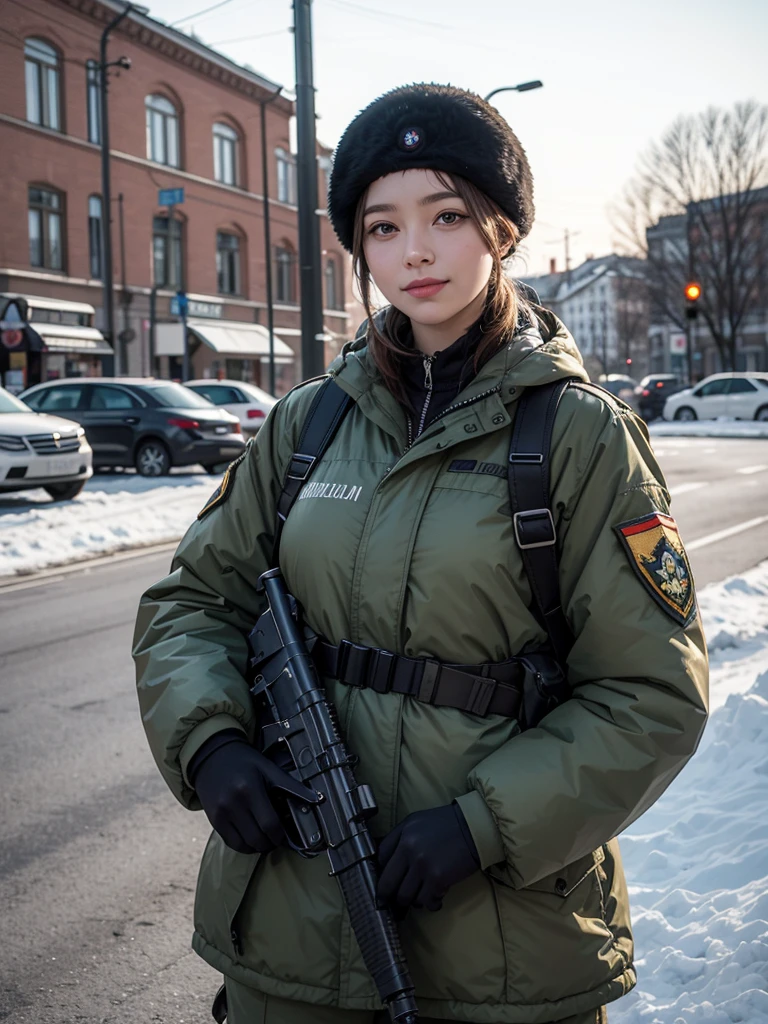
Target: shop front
x=234, y=350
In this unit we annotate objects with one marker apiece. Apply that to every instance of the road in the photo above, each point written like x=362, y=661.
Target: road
x=97, y=861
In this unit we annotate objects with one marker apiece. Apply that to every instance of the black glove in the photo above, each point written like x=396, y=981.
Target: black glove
x=423, y=856
x=233, y=782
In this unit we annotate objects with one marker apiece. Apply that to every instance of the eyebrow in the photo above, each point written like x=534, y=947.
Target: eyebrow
x=435, y=197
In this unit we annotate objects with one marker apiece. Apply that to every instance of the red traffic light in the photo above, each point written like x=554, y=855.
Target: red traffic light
x=692, y=291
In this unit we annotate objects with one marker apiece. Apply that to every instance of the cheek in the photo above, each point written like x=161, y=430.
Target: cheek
x=384, y=265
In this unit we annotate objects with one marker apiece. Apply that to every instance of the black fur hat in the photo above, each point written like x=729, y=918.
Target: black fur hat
x=437, y=127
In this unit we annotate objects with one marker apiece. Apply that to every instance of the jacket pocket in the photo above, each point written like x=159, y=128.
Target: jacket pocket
x=557, y=920
x=222, y=883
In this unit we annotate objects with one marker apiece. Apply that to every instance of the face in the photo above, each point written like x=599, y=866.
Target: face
x=415, y=231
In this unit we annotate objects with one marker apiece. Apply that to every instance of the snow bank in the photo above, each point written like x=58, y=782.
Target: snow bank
x=709, y=428
x=112, y=513
x=697, y=862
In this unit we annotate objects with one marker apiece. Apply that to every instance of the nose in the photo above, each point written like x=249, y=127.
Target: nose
x=417, y=251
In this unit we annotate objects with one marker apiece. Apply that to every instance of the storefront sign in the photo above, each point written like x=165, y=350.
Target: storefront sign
x=211, y=310
x=12, y=337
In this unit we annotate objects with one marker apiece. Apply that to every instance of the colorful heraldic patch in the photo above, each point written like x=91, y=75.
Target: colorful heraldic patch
x=222, y=491
x=657, y=555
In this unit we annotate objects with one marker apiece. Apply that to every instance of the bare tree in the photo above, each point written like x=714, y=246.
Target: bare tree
x=696, y=210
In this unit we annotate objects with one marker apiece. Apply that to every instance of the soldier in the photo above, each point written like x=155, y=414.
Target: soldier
x=498, y=811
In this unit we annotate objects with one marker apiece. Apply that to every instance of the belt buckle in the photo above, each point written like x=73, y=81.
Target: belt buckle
x=352, y=664
x=544, y=515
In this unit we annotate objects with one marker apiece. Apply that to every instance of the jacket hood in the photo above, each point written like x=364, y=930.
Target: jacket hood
x=536, y=354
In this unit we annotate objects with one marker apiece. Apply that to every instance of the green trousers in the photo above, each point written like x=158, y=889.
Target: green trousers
x=247, y=1006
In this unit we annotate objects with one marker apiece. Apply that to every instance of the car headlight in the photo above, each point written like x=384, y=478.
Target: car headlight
x=80, y=432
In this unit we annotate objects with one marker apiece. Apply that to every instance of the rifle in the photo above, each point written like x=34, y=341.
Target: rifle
x=302, y=733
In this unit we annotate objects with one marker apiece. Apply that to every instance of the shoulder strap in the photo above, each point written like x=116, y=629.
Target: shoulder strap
x=329, y=407
x=528, y=477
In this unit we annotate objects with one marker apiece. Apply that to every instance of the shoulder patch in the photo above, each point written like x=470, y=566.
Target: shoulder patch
x=657, y=555
x=221, y=493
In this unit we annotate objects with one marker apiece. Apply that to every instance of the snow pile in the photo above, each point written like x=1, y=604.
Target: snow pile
x=110, y=514
x=722, y=427
x=697, y=862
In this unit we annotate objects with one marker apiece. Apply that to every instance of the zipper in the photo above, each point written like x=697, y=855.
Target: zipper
x=451, y=408
x=428, y=360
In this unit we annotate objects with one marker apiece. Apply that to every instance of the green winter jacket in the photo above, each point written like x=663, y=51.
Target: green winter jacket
x=408, y=554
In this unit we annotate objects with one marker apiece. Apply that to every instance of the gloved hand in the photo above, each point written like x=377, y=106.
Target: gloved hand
x=423, y=856
x=233, y=782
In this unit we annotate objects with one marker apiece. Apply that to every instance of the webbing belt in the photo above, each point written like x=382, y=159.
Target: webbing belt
x=490, y=689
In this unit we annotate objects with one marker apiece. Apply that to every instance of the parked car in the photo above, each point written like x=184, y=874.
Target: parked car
x=621, y=386
x=740, y=396
x=249, y=403
x=142, y=422
x=653, y=391
x=41, y=451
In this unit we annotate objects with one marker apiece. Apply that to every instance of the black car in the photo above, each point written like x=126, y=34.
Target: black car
x=142, y=422
x=653, y=391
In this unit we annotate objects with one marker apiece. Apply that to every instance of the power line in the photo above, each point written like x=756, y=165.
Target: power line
x=198, y=14
x=248, y=39
x=377, y=12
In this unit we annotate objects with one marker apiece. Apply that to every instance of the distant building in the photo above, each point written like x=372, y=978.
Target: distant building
x=183, y=117
x=605, y=304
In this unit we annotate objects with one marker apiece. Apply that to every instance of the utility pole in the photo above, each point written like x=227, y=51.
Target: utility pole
x=106, y=184
x=312, y=332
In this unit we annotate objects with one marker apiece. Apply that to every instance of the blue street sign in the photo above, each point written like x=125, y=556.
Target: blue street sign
x=170, y=196
x=179, y=304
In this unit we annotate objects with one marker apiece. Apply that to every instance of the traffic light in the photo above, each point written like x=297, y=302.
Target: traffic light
x=692, y=296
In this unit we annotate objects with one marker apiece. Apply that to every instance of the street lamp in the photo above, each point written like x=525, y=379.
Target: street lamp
x=523, y=87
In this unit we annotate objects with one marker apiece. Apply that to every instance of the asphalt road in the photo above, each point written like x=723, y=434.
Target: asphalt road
x=97, y=861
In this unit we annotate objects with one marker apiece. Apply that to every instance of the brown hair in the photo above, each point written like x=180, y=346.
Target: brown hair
x=503, y=303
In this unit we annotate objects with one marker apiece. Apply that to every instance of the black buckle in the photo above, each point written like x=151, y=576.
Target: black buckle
x=302, y=471
x=527, y=458
x=534, y=529
x=480, y=695
x=381, y=671
x=352, y=664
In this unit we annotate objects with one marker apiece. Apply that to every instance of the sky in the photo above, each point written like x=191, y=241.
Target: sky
x=616, y=74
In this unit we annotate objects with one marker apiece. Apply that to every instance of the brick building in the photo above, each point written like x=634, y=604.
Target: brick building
x=183, y=116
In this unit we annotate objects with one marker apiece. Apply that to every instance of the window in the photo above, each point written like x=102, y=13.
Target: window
x=325, y=165
x=105, y=397
x=93, y=97
x=332, y=296
x=714, y=387
x=45, y=243
x=228, y=263
x=59, y=399
x=166, y=252
x=741, y=386
x=221, y=394
x=94, y=236
x=175, y=396
x=225, y=154
x=41, y=72
x=284, y=276
x=286, y=177
x=162, y=131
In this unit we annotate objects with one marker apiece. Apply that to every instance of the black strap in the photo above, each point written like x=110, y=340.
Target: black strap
x=534, y=526
x=490, y=689
x=328, y=409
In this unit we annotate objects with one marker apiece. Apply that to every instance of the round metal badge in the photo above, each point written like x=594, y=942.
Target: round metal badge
x=411, y=140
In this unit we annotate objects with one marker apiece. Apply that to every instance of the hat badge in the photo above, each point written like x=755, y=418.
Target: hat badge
x=411, y=139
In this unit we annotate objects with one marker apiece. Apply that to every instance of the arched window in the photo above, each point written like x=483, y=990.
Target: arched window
x=225, y=154
x=333, y=296
x=228, y=263
x=162, y=131
x=285, y=277
x=93, y=101
x=41, y=72
x=286, y=177
x=94, y=237
x=46, y=244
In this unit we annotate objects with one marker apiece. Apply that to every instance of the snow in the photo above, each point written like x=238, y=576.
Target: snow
x=113, y=513
x=696, y=862
x=721, y=427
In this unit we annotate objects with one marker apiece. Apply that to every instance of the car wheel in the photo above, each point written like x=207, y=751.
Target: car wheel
x=65, y=492
x=152, y=459
x=762, y=414
x=686, y=414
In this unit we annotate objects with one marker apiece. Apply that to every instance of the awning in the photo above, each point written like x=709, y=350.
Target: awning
x=234, y=338
x=66, y=338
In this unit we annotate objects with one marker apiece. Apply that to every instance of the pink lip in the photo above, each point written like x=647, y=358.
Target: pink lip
x=425, y=287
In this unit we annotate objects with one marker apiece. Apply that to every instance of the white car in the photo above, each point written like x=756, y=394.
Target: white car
x=37, y=450
x=249, y=403
x=739, y=396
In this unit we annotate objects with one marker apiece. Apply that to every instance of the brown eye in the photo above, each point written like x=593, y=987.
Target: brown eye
x=454, y=217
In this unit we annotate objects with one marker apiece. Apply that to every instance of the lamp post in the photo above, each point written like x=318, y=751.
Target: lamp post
x=106, y=185
x=523, y=87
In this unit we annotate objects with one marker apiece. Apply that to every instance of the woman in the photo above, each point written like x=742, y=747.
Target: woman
x=497, y=842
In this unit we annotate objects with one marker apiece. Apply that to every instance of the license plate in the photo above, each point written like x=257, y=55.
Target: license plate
x=222, y=430
x=62, y=465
